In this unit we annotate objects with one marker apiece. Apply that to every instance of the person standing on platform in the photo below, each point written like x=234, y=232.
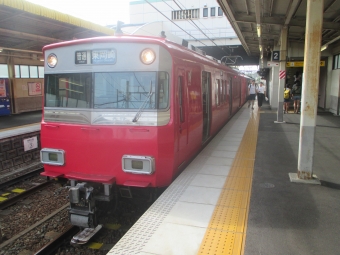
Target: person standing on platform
x=261, y=94
x=251, y=94
x=287, y=94
x=296, y=93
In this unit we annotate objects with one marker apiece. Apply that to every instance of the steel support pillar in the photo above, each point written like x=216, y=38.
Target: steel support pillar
x=281, y=82
x=310, y=88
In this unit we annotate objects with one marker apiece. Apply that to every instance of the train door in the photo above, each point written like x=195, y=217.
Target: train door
x=230, y=86
x=182, y=117
x=206, y=87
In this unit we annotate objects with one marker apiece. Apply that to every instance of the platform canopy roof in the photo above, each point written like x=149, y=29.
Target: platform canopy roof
x=27, y=26
x=259, y=22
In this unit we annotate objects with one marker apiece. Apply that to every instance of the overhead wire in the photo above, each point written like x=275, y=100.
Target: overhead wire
x=200, y=28
x=195, y=26
x=190, y=18
x=174, y=23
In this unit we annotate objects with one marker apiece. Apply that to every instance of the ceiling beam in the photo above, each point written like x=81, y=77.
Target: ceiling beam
x=257, y=4
x=325, y=25
x=22, y=35
x=292, y=8
x=231, y=17
x=296, y=22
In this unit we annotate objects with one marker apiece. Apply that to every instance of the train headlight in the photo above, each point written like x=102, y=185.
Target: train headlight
x=138, y=164
x=52, y=60
x=147, y=56
x=52, y=157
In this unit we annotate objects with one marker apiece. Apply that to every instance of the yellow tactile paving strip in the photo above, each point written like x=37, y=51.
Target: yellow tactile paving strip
x=226, y=232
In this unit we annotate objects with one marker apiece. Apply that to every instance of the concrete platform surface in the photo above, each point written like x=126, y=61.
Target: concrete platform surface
x=21, y=119
x=293, y=218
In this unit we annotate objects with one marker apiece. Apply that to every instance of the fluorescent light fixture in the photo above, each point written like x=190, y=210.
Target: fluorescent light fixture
x=258, y=27
x=260, y=47
x=324, y=47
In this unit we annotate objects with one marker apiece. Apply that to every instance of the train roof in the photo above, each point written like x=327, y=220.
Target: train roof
x=174, y=48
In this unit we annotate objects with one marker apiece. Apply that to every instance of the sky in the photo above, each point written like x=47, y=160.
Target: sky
x=102, y=12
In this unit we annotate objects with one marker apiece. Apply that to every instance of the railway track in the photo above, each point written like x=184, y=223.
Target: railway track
x=11, y=201
x=60, y=240
x=21, y=178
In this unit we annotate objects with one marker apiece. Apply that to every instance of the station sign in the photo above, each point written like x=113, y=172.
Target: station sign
x=276, y=55
x=96, y=57
x=30, y=143
x=300, y=64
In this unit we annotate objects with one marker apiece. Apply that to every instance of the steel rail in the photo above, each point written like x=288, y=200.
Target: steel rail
x=52, y=246
x=23, y=195
x=20, y=178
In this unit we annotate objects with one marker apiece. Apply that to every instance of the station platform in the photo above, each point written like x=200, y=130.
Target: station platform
x=236, y=197
x=19, y=124
x=19, y=142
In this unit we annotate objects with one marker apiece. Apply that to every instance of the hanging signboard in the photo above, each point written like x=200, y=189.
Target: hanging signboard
x=300, y=64
x=276, y=55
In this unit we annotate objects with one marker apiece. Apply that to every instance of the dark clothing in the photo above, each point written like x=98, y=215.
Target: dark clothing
x=260, y=97
x=251, y=96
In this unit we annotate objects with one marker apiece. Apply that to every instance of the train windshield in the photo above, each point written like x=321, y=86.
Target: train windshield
x=116, y=90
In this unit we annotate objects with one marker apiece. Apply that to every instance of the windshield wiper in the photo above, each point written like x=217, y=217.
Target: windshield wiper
x=142, y=107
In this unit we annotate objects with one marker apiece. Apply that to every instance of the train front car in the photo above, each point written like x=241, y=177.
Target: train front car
x=107, y=104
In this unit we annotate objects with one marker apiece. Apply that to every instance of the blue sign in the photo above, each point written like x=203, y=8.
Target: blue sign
x=104, y=56
x=5, y=101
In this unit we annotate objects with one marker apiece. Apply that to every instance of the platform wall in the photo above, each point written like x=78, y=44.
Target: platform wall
x=12, y=153
x=23, y=102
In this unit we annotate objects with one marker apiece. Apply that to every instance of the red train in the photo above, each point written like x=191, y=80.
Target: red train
x=124, y=112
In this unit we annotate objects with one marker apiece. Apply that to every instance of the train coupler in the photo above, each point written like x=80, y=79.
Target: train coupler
x=83, y=236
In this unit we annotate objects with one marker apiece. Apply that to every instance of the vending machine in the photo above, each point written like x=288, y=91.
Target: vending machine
x=5, y=101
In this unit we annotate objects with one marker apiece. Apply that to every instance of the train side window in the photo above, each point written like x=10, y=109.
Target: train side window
x=221, y=91
x=163, y=90
x=217, y=92
x=225, y=91
x=180, y=98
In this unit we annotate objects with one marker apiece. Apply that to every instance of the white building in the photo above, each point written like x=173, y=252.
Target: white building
x=201, y=23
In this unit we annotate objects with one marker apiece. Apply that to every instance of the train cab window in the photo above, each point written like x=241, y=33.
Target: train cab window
x=131, y=90
x=68, y=90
